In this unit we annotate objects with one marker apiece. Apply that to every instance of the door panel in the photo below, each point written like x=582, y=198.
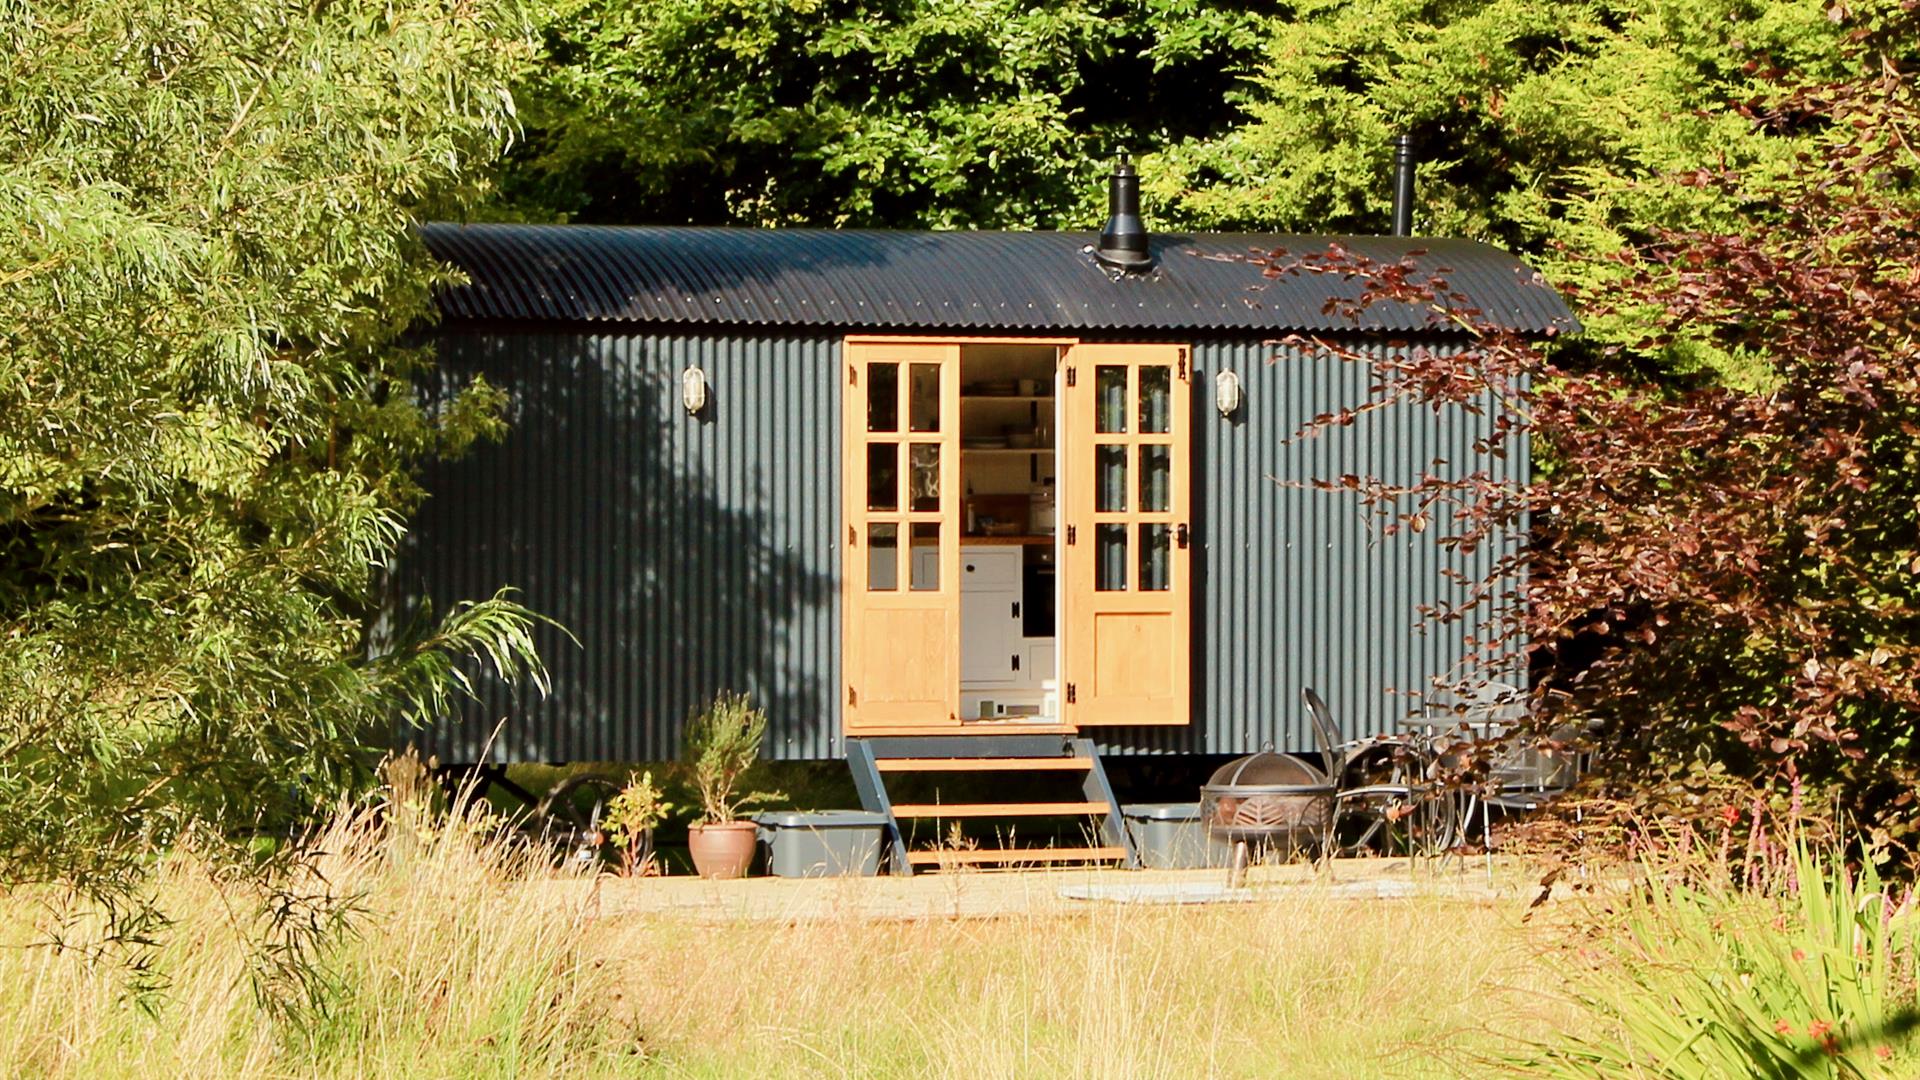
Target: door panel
x=1126, y=447
x=900, y=579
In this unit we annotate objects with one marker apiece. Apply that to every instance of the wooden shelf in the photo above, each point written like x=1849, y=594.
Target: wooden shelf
x=971, y=540
x=966, y=399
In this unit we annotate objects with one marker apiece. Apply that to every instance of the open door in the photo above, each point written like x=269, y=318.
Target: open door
x=901, y=572
x=1126, y=568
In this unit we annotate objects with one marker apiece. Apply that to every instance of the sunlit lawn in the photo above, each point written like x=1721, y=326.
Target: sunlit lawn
x=463, y=966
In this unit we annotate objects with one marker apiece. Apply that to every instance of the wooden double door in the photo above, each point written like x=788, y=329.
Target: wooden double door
x=1122, y=538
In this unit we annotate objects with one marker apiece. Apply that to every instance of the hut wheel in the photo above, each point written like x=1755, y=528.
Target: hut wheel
x=573, y=815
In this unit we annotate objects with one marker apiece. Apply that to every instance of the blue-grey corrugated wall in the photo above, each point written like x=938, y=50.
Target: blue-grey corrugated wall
x=1296, y=586
x=690, y=555
x=687, y=555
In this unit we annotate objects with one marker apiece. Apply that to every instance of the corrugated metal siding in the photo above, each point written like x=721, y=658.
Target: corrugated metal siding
x=981, y=281
x=695, y=555
x=687, y=555
x=1295, y=587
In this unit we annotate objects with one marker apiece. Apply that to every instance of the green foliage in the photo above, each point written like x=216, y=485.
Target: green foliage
x=1544, y=124
x=632, y=816
x=1562, y=131
x=1698, y=979
x=720, y=745
x=916, y=113
x=207, y=427
x=639, y=807
x=1720, y=582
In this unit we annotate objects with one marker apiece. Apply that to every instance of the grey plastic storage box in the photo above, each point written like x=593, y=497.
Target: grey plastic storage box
x=1171, y=836
x=821, y=843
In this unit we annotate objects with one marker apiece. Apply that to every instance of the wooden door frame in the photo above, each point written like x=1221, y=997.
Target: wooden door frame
x=849, y=574
x=1131, y=606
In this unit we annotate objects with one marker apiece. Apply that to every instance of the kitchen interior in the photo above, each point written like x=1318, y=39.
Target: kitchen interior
x=1008, y=596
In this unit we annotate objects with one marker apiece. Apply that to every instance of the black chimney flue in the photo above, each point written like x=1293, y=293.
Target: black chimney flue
x=1403, y=164
x=1123, y=241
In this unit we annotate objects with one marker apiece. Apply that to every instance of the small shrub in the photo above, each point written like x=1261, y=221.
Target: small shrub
x=631, y=818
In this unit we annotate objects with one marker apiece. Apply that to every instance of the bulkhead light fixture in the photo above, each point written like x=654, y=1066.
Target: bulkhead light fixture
x=693, y=390
x=1226, y=393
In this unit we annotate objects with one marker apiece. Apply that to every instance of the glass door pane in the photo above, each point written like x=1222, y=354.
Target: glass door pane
x=883, y=397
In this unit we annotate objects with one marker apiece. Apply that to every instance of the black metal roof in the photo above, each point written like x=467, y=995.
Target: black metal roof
x=976, y=281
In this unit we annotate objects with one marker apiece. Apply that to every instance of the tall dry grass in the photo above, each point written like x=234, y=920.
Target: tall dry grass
x=1299, y=986
x=469, y=961
x=450, y=968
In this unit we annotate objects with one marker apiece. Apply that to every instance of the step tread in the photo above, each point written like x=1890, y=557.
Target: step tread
x=1038, y=809
x=968, y=729
x=1015, y=855
x=1009, y=764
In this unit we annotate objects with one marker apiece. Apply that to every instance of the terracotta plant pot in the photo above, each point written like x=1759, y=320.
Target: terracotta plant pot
x=724, y=850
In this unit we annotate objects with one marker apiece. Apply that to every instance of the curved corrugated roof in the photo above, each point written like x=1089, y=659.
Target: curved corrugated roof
x=975, y=281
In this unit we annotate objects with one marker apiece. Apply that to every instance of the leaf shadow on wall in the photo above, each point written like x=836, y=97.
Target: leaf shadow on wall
x=685, y=555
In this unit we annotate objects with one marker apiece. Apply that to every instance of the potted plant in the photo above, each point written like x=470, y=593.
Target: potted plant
x=631, y=818
x=721, y=744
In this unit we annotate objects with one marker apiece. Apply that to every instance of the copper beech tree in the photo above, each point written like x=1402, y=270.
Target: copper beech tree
x=1721, y=580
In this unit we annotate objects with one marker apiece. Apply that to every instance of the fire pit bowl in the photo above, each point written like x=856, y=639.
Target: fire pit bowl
x=1267, y=800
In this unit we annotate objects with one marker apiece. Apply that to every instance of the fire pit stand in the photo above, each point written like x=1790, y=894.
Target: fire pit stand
x=1267, y=802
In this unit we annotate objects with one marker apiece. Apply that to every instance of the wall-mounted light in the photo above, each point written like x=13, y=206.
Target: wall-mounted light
x=693, y=390
x=1226, y=393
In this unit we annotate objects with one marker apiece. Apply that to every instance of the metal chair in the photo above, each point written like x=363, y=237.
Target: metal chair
x=1523, y=773
x=1407, y=791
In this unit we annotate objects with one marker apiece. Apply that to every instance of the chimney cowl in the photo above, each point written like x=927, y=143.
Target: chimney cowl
x=1123, y=240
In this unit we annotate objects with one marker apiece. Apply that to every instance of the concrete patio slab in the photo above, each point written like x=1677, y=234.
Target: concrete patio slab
x=1007, y=893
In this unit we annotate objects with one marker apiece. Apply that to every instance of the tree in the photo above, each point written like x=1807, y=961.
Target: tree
x=1726, y=578
x=900, y=113
x=207, y=426
x=1740, y=568
x=1556, y=130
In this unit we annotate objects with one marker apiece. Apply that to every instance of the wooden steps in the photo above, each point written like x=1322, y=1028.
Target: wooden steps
x=986, y=856
x=967, y=765
x=1012, y=764
x=1037, y=809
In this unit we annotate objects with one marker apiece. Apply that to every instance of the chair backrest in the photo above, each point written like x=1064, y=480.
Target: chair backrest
x=1493, y=704
x=1534, y=763
x=1326, y=732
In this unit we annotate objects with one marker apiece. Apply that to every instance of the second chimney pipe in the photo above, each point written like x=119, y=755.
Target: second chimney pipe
x=1403, y=163
x=1123, y=240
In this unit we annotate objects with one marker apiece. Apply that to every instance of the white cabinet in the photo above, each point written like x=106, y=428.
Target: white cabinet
x=1002, y=672
x=992, y=652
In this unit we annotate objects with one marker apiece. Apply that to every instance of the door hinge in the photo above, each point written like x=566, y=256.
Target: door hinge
x=1070, y=375
x=1070, y=693
x=852, y=698
x=1183, y=365
x=1071, y=534
x=1016, y=661
x=853, y=536
x=853, y=375
x=1016, y=609
x=1180, y=535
